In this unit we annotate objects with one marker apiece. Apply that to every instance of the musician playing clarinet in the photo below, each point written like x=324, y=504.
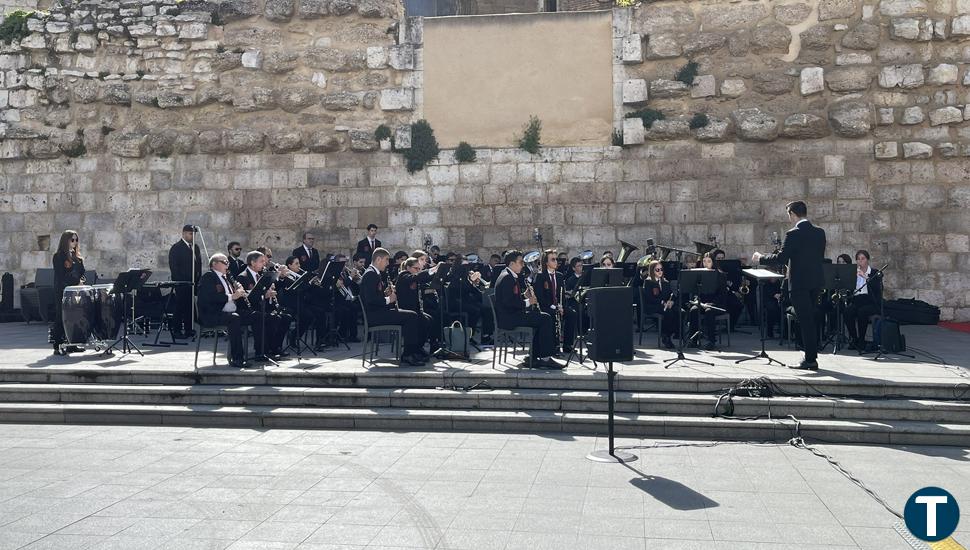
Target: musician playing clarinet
x=550, y=288
x=865, y=301
x=704, y=302
x=512, y=304
x=277, y=321
x=409, y=287
x=658, y=298
x=380, y=303
x=222, y=301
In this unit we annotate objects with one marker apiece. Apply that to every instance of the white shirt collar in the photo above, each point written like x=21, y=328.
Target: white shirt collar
x=307, y=248
x=252, y=273
x=801, y=221
x=187, y=244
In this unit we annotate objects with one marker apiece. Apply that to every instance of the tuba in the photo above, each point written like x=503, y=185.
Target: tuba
x=625, y=250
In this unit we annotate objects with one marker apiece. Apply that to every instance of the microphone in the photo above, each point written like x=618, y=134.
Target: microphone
x=536, y=235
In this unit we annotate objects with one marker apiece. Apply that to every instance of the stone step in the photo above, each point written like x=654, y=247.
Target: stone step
x=386, y=418
x=677, y=404
x=390, y=377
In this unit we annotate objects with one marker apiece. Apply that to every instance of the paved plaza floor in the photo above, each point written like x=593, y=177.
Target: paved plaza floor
x=100, y=487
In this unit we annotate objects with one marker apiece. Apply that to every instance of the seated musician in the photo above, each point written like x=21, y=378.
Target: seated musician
x=512, y=304
x=607, y=260
x=704, y=303
x=277, y=322
x=464, y=295
x=308, y=304
x=222, y=301
x=864, y=302
x=346, y=308
x=658, y=297
x=843, y=259
x=562, y=262
x=550, y=288
x=734, y=303
x=380, y=303
x=410, y=284
x=572, y=286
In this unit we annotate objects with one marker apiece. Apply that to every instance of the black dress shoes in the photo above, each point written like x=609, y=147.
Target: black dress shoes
x=237, y=363
x=668, y=343
x=412, y=361
x=805, y=365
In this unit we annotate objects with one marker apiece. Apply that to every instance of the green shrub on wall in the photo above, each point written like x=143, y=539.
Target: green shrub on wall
x=687, y=73
x=14, y=26
x=649, y=116
x=382, y=132
x=464, y=152
x=531, y=134
x=424, y=146
x=699, y=120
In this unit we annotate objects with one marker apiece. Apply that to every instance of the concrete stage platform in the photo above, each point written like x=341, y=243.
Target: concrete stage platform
x=851, y=398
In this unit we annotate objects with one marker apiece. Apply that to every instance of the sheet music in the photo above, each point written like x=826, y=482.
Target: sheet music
x=761, y=274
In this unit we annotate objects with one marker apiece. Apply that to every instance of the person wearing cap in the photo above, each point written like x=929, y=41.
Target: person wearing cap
x=183, y=268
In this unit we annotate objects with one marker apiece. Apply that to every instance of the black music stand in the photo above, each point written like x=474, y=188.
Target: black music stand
x=126, y=283
x=839, y=278
x=760, y=276
x=700, y=281
x=606, y=276
x=299, y=286
x=166, y=323
x=329, y=275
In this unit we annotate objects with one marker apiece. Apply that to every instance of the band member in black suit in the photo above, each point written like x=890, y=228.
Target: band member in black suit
x=222, y=301
x=347, y=298
x=571, y=283
x=562, y=265
x=277, y=322
x=367, y=245
x=185, y=263
x=464, y=294
x=236, y=264
x=430, y=299
x=380, y=303
x=309, y=257
x=410, y=285
x=513, y=308
x=864, y=302
x=550, y=288
x=68, y=271
x=658, y=297
x=803, y=251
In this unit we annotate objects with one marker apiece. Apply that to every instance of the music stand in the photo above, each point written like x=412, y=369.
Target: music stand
x=700, y=281
x=760, y=276
x=672, y=268
x=126, y=283
x=629, y=269
x=299, y=286
x=584, y=279
x=329, y=274
x=606, y=276
x=841, y=279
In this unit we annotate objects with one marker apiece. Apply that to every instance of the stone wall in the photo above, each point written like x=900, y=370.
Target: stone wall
x=255, y=120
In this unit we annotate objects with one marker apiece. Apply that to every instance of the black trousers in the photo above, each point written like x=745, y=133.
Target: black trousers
x=414, y=326
x=734, y=307
x=345, y=315
x=269, y=331
x=57, y=329
x=182, y=318
x=543, y=330
x=570, y=326
x=709, y=318
x=235, y=323
x=668, y=325
x=857, y=315
x=803, y=301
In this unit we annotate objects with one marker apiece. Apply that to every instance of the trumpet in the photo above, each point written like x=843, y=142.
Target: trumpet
x=475, y=278
x=353, y=273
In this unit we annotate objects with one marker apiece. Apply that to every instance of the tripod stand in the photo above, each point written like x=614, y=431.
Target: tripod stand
x=761, y=275
x=840, y=279
x=703, y=280
x=124, y=285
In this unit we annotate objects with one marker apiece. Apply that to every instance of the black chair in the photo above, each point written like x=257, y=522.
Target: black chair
x=371, y=341
x=655, y=318
x=503, y=338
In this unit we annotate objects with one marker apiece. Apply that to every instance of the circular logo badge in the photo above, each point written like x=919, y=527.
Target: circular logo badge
x=931, y=514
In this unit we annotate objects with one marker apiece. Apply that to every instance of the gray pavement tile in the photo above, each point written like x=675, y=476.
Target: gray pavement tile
x=394, y=536
x=566, y=524
x=98, y=525
x=158, y=528
x=10, y=540
x=64, y=542
x=540, y=541
x=304, y=513
x=677, y=529
x=601, y=526
x=881, y=538
x=185, y=543
x=261, y=545
x=225, y=529
x=281, y=531
x=472, y=539
x=344, y=534
x=601, y=542
x=119, y=542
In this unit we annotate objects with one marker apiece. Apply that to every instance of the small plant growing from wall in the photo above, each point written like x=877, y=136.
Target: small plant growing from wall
x=531, y=134
x=648, y=116
x=617, y=138
x=465, y=153
x=424, y=146
x=14, y=26
x=687, y=73
x=699, y=120
x=383, y=136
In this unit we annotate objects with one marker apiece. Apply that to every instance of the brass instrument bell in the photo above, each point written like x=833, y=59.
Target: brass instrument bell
x=625, y=250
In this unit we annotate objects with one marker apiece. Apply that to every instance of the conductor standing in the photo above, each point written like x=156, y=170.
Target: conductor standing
x=803, y=251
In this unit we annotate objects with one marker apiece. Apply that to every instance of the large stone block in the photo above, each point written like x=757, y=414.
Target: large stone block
x=849, y=79
x=704, y=86
x=633, y=133
x=663, y=88
x=837, y=9
x=912, y=115
x=755, y=125
x=792, y=14
x=634, y=91
x=917, y=150
x=805, y=126
x=901, y=76
x=732, y=87
x=895, y=8
x=851, y=118
x=811, y=80
x=864, y=36
x=770, y=38
x=945, y=115
x=397, y=99
x=632, y=49
x=704, y=42
x=662, y=46
x=943, y=74
x=279, y=11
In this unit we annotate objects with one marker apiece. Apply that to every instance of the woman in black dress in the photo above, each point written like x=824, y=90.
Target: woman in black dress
x=68, y=271
x=658, y=299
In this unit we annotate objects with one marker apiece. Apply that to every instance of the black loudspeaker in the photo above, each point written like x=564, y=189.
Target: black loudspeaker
x=611, y=320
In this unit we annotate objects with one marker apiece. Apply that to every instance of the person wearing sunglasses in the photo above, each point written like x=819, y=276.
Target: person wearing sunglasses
x=222, y=301
x=68, y=271
x=658, y=298
x=236, y=263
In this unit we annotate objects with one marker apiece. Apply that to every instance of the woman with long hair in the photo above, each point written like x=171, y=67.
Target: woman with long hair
x=68, y=271
x=658, y=299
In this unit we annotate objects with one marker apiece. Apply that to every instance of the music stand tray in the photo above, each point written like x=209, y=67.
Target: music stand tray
x=126, y=283
x=761, y=276
x=840, y=278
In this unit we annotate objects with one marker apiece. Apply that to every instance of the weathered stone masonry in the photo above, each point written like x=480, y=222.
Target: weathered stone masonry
x=255, y=120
